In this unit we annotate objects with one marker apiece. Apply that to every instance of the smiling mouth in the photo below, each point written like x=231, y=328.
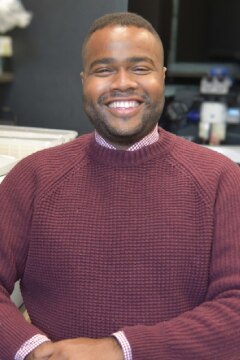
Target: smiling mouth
x=132, y=104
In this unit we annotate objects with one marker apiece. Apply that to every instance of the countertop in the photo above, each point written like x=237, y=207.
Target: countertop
x=231, y=151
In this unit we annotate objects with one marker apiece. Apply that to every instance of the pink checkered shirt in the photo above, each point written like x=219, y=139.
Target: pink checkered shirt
x=147, y=140
x=36, y=340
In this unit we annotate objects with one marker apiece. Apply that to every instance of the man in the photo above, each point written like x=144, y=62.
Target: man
x=126, y=240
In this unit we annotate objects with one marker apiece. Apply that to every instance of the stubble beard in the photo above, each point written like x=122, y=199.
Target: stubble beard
x=98, y=118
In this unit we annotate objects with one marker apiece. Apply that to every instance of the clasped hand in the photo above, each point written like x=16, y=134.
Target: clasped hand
x=78, y=349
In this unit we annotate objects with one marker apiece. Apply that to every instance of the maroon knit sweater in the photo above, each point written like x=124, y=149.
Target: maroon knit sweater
x=145, y=241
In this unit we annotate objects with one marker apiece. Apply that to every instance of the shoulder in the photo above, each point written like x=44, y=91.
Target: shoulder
x=204, y=167
x=46, y=167
x=64, y=151
x=200, y=159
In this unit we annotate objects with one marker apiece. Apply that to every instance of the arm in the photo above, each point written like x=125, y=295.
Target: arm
x=30, y=346
x=211, y=330
x=15, y=222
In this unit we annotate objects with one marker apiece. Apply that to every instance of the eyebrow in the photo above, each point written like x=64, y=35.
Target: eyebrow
x=133, y=59
x=101, y=61
x=136, y=59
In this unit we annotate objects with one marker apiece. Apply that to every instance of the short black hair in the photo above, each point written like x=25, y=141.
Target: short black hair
x=121, y=19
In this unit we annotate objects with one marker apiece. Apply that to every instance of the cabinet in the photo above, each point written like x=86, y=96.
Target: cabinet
x=7, y=116
x=6, y=78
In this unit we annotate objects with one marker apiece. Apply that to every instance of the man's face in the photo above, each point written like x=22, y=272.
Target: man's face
x=123, y=83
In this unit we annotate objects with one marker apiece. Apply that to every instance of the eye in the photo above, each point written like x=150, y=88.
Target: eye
x=141, y=70
x=103, y=71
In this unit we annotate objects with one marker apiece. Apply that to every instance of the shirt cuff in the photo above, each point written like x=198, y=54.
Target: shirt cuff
x=123, y=341
x=30, y=345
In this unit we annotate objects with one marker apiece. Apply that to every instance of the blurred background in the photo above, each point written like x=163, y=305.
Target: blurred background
x=40, y=85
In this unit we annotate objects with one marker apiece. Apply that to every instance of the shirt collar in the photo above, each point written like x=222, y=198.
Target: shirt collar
x=147, y=140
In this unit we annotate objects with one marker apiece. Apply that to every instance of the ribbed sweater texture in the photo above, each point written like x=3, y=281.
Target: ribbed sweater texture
x=147, y=242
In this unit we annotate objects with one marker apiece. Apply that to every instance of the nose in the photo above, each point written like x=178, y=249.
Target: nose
x=123, y=80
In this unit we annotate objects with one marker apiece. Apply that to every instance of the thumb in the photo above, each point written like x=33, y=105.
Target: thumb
x=42, y=352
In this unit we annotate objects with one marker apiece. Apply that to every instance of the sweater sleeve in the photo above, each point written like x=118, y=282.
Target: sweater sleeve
x=16, y=199
x=211, y=330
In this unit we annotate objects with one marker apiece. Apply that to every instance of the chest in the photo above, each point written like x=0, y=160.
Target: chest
x=123, y=227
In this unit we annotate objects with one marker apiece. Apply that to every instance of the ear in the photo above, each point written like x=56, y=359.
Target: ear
x=82, y=77
x=164, y=71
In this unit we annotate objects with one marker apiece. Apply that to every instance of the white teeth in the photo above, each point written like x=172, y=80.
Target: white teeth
x=123, y=104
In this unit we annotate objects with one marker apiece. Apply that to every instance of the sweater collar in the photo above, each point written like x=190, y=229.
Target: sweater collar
x=160, y=148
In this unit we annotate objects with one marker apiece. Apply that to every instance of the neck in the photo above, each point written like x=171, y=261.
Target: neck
x=146, y=140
